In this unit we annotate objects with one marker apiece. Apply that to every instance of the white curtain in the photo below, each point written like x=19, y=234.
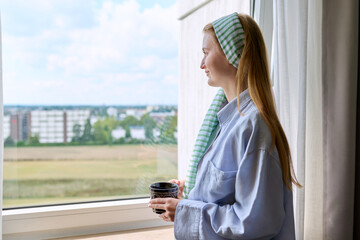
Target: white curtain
x=1, y=134
x=195, y=95
x=296, y=72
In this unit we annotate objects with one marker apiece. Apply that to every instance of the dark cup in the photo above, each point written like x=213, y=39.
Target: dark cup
x=163, y=190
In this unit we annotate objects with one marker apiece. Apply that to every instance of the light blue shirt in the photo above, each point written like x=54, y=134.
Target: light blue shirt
x=239, y=192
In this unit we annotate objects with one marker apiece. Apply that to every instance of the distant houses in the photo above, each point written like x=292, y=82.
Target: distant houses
x=137, y=132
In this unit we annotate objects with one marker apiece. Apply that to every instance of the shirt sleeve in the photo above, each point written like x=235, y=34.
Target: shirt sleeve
x=257, y=213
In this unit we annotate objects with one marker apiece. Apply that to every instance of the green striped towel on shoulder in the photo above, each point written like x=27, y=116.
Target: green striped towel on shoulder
x=203, y=139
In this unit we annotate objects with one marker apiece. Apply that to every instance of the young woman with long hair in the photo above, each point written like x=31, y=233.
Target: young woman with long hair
x=240, y=178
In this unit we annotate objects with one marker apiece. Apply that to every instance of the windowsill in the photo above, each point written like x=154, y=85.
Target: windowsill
x=158, y=233
x=78, y=219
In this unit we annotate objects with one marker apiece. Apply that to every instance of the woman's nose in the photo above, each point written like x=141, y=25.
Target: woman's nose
x=202, y=64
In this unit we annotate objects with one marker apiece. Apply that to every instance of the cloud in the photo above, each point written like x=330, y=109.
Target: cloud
x=170, y=80
x=87, y=47
x=121, y=78
x=147, y=62
x=121, y=33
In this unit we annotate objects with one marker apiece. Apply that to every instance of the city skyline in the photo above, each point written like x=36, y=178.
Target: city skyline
x=90, y=53
x=84, y=105
x=57, y=125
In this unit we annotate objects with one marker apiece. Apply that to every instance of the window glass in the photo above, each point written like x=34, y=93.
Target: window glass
x=90, y=99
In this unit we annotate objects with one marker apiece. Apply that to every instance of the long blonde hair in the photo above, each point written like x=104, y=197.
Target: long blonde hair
x=253, y=74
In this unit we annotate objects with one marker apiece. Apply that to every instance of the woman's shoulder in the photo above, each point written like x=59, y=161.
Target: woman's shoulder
x=250, y=117
x=252, y=128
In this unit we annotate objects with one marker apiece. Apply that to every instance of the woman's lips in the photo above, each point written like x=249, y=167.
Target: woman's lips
x=207, y=73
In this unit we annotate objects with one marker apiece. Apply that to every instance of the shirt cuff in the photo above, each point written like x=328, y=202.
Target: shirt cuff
x=187, y=219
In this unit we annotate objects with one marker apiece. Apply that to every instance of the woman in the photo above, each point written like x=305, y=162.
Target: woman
x=241, y=161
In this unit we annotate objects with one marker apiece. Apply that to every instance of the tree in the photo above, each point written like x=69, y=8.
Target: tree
x=87, y=135
x=9, y=141
x=167, y=130
x=34, y=139
x=111, y=122
x=103, y=130
x=77, y=133
x=127, y=132
x=100, y=134
x=149, y=124
x=127, y=123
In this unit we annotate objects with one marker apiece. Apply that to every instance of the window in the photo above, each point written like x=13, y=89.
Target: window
x=90, y=100
x=105, y=216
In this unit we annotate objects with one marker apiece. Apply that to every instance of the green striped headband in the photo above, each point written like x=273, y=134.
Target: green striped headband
x=230, y=35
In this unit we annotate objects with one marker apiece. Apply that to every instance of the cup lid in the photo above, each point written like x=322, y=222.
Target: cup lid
x=164, y=187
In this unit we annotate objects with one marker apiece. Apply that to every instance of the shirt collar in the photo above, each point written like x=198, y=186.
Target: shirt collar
x=229, y=109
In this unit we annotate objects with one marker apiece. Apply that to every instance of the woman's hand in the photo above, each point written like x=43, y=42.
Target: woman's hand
x=181, y=184
x=167, y=204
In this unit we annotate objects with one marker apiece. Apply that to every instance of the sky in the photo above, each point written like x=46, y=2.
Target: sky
x=90, y=52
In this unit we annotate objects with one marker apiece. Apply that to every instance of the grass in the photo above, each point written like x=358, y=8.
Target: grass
x=38, y=175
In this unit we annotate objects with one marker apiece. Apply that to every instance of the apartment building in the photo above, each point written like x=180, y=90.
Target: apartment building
x=51, y=126
x=47, y=125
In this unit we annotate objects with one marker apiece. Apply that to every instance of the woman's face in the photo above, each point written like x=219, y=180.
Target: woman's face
x=218, y=69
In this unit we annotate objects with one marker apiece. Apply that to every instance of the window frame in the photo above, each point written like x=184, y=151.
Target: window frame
x=75, y=219
x=56, y=221
x=79, y=219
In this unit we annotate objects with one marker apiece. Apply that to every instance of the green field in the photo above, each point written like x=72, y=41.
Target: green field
x=49, y=175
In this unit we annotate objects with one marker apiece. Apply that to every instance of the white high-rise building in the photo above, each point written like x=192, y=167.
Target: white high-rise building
x=54, y=126
x=48, y=125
